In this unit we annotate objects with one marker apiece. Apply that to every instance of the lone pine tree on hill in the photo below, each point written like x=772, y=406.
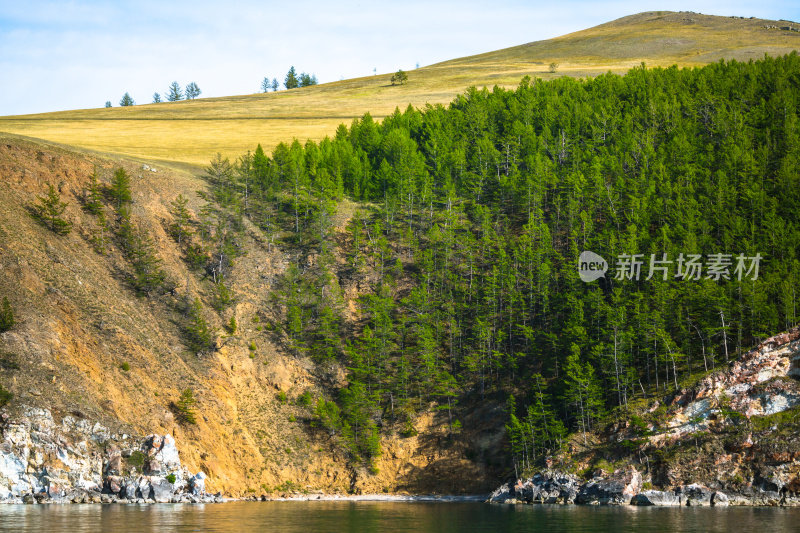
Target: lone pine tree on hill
x=126, y=100
x=399, y=77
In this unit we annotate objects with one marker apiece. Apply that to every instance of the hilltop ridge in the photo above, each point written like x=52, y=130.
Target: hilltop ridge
x=193, y=131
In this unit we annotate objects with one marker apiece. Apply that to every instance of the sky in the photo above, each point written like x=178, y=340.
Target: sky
x=79, y=54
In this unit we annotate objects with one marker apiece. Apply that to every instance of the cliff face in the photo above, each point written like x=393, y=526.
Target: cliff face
x=746, y=418
x=731, y=439
x=759, y=384
x=85, y=348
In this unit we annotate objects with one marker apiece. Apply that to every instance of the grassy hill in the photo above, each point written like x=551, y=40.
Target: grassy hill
x=190, y=132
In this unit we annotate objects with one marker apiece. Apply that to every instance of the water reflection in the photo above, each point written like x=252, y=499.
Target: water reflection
x=366, y=517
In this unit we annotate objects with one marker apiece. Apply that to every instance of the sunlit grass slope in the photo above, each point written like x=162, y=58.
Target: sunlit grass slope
x=192, y=131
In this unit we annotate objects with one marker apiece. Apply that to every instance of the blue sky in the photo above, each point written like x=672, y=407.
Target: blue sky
x=78, y=54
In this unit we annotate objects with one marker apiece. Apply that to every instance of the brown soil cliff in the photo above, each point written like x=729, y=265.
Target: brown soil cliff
x=78, y=321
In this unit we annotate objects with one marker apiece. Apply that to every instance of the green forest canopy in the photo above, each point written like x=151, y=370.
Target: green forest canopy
x=473, y=219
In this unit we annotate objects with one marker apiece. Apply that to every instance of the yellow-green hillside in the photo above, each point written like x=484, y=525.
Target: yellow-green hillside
x=192, y=131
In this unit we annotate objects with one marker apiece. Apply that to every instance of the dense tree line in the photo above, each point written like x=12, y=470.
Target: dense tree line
x=477, y=214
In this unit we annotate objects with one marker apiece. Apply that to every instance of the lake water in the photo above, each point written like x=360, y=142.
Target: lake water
x=362, y=517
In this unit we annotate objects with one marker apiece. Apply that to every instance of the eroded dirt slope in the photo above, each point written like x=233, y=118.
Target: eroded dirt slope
x=79, y=322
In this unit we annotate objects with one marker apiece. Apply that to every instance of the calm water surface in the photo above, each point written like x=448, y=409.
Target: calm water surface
x=358, y=517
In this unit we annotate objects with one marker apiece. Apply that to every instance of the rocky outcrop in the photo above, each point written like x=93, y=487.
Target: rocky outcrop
x=503, y=494
x=730, y=461
x=760, y=383
x=624, y=487
x=657, y=498
x=616, y=489
x=76, y=461
x=556, y=487
x=696, y=495
x=545, y=487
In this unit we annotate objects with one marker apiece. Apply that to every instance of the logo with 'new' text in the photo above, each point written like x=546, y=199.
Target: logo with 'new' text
x=591, y=266
x=631, y=267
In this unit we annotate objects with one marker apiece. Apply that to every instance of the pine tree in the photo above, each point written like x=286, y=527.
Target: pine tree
x=99, y=238
x=174, y=92
x=399, y=77
x=198, y=332
x=307, y=80
x=5, y=396
x=192, y=91
x=156, y=98
x=180, y=219
x=93, y=196
x=6, y=315
x=359, y=409
x=546, y=432
x=108, y=103
x=275, y=85
x=223, y=295
x=126, y=230
x=120, y=189
x=244, y=179
x=516, y=436
x=265, y=85
x=185, y=407
x=291, y=81
x=582, y=390
x=232, y=326
x=220, y=174
x=139, y=249
x=48, y=211
x=329, y=416
x=148, y=275
x=326, y=346
x=126, y=100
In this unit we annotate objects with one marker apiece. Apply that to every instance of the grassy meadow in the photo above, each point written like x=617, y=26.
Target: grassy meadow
x=190, y=132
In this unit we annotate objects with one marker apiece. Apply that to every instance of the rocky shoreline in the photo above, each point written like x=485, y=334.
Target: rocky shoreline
x=43, y=461
x=732, y=461
x=321, y=496
x=77, y=461
x=625, y=487
x=93, y=496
